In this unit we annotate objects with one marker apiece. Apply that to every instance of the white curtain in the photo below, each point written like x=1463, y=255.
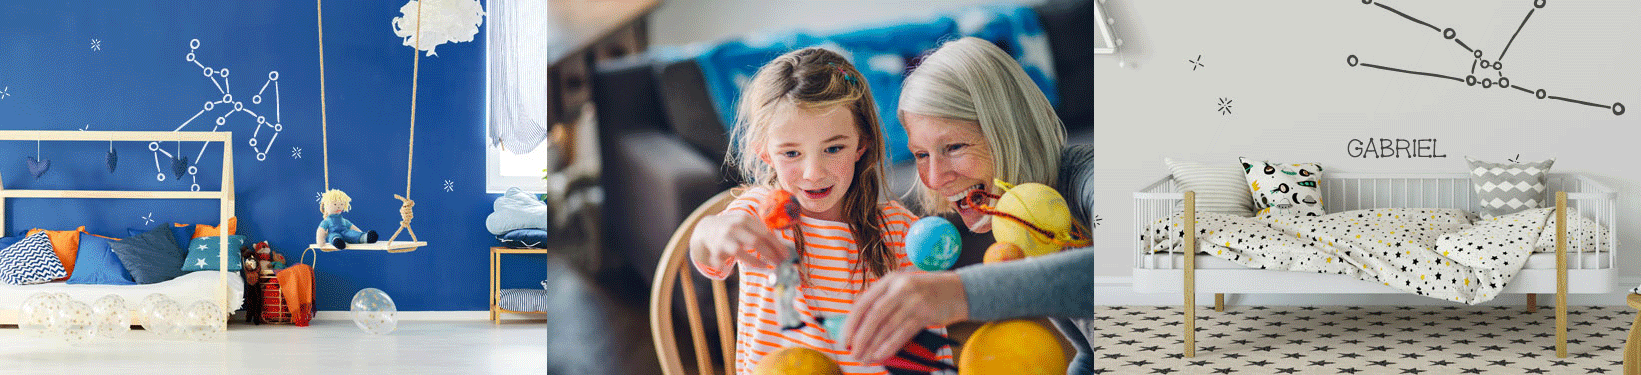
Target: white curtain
x=517, y=60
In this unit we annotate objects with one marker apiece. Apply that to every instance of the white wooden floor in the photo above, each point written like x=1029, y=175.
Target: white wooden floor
x=323, y=347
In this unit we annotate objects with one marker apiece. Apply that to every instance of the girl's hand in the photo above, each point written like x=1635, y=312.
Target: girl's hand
x=735, y=234
x=891, y=311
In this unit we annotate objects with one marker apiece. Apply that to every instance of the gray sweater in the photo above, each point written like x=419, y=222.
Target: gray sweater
x=1060, y=286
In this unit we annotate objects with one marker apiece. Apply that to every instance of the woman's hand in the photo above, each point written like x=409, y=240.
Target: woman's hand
x=735, y=234
x=891, y=311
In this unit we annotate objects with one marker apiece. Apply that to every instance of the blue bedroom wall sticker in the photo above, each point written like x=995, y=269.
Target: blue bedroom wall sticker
x=252, y=68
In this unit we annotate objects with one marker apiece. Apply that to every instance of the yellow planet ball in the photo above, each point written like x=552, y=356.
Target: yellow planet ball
x=1021, y=347
x=1035, y=203
x=796, y=361
x=1003, y=252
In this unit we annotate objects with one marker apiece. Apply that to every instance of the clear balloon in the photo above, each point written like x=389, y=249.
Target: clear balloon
x=35, y=315
x=111, y=317
x=374, y=312
x=74, y=321
x=205, y=321
x=164, y=319
x=146, y=311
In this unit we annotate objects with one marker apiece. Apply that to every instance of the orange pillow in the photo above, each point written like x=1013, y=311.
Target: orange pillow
x=66, y=243
x=202, y=230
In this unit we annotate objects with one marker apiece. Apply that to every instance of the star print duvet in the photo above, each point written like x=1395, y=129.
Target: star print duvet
x=1437, y=253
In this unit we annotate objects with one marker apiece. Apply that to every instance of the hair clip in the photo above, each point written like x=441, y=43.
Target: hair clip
x=845, y=73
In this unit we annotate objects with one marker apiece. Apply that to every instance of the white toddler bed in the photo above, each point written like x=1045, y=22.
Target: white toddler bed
x=223, y=287
x=1581, y=263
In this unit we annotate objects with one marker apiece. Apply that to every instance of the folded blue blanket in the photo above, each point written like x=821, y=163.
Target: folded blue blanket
x=883, y=54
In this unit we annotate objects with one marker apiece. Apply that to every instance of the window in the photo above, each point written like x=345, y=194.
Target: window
x=516, y=97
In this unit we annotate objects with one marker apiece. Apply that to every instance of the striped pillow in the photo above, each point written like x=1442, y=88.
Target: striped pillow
x=1503, y=189
x=1220, y=187
x=30, y=261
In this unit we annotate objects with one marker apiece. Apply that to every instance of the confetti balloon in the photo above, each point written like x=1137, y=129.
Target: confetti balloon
x=146, y=311
x=205, y=321
x=35, y=315
x=74, y=321
x=111, y=317
x=374, y=312
x=165, y=318
x=932, y=244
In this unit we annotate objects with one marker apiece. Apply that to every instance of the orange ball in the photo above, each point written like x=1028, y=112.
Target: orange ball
x=1003, y=252
x=1021, y=347
x=796, y=361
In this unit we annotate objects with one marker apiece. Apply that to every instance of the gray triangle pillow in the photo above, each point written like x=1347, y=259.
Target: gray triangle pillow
x=1507, y=188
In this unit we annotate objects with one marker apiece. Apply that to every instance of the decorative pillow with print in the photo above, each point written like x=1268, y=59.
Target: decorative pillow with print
x=30, y=261
x=1284, y=189
x=1507, y=188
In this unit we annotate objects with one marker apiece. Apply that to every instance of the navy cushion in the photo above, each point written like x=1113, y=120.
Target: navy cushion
x=151, y=256
x=524, y=238
x=182, y=234
x=30, y=261
x=203, y=253
x=97, y=264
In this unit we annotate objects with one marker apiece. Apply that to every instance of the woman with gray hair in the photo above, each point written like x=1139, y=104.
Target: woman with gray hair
x=972, y=115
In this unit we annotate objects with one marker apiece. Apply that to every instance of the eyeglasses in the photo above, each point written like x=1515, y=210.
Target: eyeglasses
x=1076, y=237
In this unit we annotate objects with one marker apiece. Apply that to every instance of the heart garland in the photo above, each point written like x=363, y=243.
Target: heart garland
x=38, y=167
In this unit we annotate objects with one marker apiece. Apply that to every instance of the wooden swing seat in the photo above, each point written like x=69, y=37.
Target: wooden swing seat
x=389, y=246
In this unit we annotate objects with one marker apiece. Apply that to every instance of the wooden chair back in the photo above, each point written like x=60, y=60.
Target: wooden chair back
x=675, y=270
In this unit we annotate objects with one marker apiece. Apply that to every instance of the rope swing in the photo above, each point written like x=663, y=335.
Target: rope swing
x=406, y=212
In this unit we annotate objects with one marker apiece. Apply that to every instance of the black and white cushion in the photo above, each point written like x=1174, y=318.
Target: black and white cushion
x=30, y=261
x=1284, y=188
x=1507, y=188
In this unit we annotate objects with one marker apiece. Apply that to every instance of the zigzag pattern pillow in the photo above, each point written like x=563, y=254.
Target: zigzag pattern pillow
x=1503, y=189
x=30, y=261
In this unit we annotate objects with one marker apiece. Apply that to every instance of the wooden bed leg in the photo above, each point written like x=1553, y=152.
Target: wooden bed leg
x=1219, y=302
x=1190, y=223
x=1561, y=274
x=1532, y=302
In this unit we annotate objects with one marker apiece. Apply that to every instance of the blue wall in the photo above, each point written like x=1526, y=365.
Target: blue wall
x=138, y=78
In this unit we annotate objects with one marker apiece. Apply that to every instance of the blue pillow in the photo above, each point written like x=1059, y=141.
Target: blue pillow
x=151, y=256
x=97, y=264
x=203, y=253
x=7, y=241
x=181, y=234
x=524, y=238
x=30, y=261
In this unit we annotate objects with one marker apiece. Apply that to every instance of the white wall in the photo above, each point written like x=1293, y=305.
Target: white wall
x=1294, y=98
x=687, y=21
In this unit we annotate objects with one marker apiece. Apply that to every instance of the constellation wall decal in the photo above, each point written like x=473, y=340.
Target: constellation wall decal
x=296, y=152
x=96, y=45
x=1197, y=63
x=225, y=87
x=1224, y=106
x=4, y=93
x=1478, y=59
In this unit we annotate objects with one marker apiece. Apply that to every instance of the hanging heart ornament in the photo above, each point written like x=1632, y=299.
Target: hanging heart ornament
x=38, y=167
x=179, y=166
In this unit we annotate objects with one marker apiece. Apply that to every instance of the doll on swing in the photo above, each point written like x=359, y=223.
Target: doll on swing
x=335, y=230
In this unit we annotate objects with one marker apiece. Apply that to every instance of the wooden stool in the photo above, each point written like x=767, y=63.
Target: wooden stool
x=1632, y=352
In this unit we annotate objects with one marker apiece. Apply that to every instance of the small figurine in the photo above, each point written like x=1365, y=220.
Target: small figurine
x=335, y=230
x=781, y=213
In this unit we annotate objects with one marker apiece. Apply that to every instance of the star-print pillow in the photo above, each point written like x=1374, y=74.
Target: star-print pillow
x=1286, y=189
x=203, y=254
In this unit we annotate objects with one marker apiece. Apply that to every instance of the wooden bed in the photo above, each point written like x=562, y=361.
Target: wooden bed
x=224, y=294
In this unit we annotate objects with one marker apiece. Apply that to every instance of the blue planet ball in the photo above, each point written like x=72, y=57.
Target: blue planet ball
x=932, y=244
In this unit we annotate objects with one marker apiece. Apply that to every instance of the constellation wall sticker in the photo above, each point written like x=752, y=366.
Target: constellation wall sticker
x=96, y=45
x=1479, y=60
x=296, y=152
x=1224, y=106
x=225, y=87
x=1196, y=63
x=449, y=186
x=148, y=219
x=4, y=93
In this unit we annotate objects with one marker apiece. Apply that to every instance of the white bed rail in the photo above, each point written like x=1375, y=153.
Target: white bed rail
x=1355, y=191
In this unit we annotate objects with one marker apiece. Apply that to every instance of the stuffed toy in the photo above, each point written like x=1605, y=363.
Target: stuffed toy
x=335, y=230
x=781, y=212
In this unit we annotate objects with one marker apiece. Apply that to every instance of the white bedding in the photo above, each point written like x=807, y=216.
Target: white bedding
x=1436, y=253
x=185, y=289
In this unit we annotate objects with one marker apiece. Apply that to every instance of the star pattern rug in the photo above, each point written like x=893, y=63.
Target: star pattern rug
x=1360, y=340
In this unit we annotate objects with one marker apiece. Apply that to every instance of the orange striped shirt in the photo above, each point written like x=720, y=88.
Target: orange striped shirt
x=829, y=291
